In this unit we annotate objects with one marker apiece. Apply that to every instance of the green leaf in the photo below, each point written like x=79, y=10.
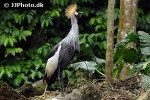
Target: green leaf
x=18, y=50
x=8, y=73
x=121, y=46
x=144, y=42
x=26, y=71
x=63, y=74
x=26, y=33
x=2, y=72
x=129, y=55
x=33, y=74
x=39, y=74
x=145, y=65
x=142, y=67
x=86, y=13
x=86, y=65
x=19, y=19
x=9, y=24
x=92, y=21
x=2, y=39
x=53, y=13
x=22, y=36
x=99, y=20
x=146, y=81
x=68, y=73
x=97, y=27
x=15, y=32
x=62, y=2
x=50, y=22
x=117, y=71
x=1, y=31
x=29, y=18
x=18, y=80
x=90, y=39
x=16, y=17
x=17, y=69
x=11, y=42
x=22, y=16
x=42, y=24
x=39, y=51
x=38, y=63
x=25, y=78
x=6, y=42
x=99, y=61
x=46, y=23
x=10, y=51
x=57, y=13
x=103, y=45
x=13, y=51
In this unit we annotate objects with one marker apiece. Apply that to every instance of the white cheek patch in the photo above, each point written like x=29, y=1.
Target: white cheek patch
x=76, y=13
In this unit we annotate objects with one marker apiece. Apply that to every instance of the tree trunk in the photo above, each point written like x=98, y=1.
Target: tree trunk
x=110, y=43
x=127, y=23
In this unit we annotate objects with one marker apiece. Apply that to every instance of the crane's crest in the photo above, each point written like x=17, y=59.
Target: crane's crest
x=70, y=10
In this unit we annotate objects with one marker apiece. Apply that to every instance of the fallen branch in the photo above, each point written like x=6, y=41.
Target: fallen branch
x=8, y=93
x=32, y=89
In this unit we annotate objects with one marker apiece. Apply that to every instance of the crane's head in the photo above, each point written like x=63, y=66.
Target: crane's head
x=71, y=10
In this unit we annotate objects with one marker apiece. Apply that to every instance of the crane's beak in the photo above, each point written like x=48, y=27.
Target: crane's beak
x=80, y=12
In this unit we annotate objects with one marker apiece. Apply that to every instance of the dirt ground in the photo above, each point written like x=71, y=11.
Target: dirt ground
x=129, y=89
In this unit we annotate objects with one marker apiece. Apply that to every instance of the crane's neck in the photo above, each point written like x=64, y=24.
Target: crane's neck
x=73, y=20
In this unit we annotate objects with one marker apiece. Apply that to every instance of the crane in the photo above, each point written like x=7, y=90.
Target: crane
x=65, y=49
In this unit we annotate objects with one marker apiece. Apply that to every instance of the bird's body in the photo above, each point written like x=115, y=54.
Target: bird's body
x=52, y=63
x=69, y=45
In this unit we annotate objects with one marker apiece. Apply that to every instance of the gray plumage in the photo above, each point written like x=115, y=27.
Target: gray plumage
x=69, y=45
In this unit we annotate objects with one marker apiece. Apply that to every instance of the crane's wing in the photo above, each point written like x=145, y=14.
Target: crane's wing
x=66, y=54
x=52, y=52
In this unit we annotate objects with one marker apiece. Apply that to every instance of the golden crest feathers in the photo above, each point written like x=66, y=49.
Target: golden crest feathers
x=70, y=10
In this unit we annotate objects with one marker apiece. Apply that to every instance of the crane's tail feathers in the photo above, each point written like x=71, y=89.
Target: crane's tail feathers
x=44, y=78
x=52, y=79
x=70, y=10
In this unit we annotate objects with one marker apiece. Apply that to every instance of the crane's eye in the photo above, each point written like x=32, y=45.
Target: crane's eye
x=76, y=13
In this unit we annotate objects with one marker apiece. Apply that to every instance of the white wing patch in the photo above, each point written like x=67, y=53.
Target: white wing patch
x=52, y=63
x=51, y=66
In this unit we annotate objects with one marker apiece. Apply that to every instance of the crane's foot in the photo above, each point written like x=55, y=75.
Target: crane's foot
x=45, y=92
x=62, y=94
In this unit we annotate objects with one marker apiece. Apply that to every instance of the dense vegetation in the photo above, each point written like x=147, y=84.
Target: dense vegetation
x=26, y=37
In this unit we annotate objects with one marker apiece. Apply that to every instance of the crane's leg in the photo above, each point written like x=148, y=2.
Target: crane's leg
x=60, y=79
x=45, y=90
x=62, y=86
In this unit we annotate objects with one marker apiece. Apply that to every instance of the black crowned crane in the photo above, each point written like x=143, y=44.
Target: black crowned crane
x=63, y=51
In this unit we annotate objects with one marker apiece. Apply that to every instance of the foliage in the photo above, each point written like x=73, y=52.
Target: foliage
x=89, y=66
x=26, y=37
x=143, y=66
x=129, y=55
x=143, y=21
x=144, y=42
x=123, y=53
x=18, y=73
x=146, y=82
